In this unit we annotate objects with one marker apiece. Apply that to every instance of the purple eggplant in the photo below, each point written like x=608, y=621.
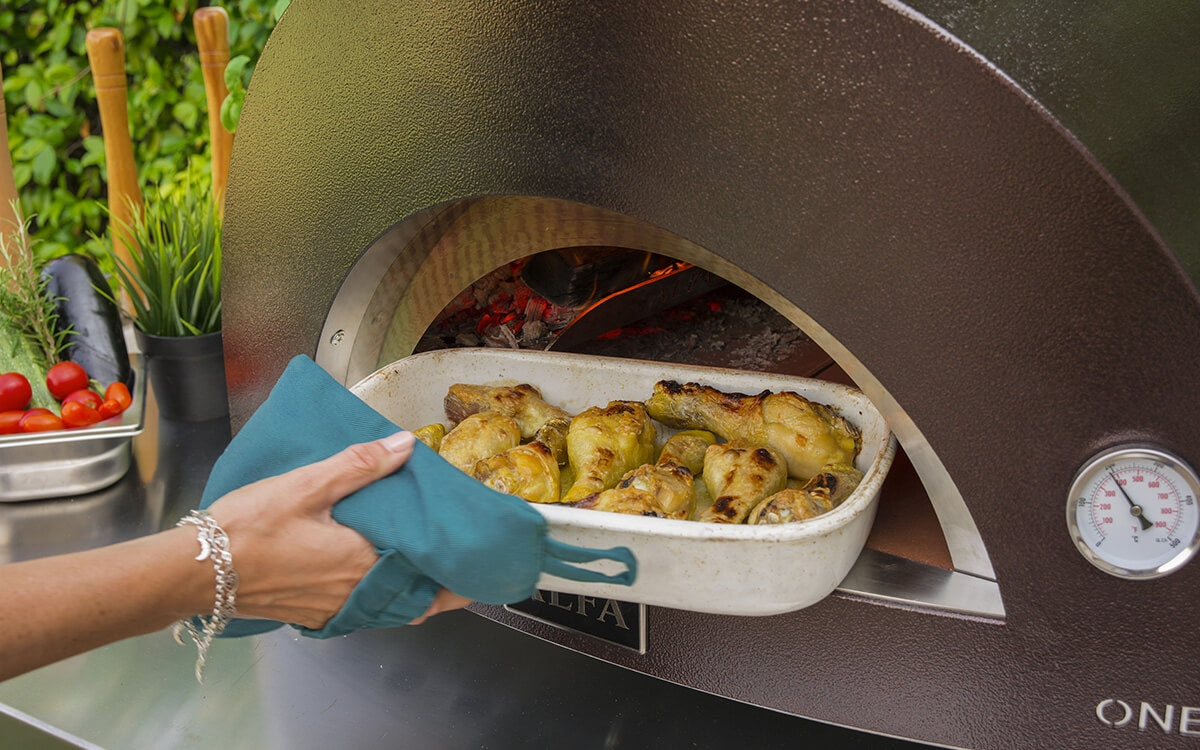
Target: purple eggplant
x=79, y=289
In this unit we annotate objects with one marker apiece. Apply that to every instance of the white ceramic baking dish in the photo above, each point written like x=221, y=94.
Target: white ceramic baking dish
x=718, y=568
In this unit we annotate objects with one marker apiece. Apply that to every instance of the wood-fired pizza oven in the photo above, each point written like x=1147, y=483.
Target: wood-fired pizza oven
x=920, y=215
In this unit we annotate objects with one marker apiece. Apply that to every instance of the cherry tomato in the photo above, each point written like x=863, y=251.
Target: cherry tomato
x=65, y=378
x=40, y=420
x=14, y=391
x=10, y=421
x=77, y=414
x=84, y=396
x=119, y=393
x=110, y=408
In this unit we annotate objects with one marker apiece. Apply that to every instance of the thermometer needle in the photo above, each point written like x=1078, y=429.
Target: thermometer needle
x=1134, y=508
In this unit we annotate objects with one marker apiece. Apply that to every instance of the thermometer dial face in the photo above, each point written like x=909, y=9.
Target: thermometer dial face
x=1133, y=512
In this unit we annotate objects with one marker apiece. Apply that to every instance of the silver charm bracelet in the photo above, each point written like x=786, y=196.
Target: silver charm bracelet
x=214, y=545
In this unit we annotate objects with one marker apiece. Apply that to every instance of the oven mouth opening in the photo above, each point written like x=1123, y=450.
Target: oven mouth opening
x=526, y=272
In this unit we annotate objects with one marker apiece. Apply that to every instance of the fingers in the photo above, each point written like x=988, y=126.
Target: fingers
x=354, y=468
x=444, y=601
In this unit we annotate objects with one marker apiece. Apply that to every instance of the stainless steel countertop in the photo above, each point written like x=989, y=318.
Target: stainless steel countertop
x=460, y=681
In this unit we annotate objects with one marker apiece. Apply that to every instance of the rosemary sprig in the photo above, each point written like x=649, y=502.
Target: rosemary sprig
x=23, y=298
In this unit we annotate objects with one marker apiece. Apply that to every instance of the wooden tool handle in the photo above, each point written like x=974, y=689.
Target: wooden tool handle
x=106, y=53
x=212, y=39
x=8, y=186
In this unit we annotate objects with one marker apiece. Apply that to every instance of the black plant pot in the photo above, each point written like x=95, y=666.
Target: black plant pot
x=187, y=374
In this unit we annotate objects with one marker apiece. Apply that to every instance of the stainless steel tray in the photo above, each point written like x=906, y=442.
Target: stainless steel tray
x=720, y=568
x=63, y=463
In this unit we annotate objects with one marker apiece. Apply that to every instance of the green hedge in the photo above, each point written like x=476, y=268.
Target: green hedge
x=54, y=131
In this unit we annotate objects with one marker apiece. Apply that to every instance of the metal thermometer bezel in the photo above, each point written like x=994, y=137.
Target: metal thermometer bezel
x=1086, y=475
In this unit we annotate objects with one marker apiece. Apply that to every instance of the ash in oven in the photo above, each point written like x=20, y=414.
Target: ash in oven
x=727, y=327
x=498, y=311
x=724, y=327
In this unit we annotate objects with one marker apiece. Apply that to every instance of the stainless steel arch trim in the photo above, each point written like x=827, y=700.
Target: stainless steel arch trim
x=962, y=535
x=354, y=327
x=412, y=271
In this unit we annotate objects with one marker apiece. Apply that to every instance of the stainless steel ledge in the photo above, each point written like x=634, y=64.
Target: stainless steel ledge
x=896, y=580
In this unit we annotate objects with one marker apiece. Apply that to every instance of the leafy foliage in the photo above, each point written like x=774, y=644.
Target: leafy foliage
x=174, y=284
x=231, y=108
x=26, y=306
x=54, y=123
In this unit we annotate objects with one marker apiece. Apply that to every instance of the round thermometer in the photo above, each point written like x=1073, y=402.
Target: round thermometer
x=1133, y=512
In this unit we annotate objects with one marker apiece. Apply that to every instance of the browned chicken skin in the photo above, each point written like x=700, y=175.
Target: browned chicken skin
x=553, y=435
x=740, y=475
x=821, y=494
x=672, y=478
x=687, y=449
x=609, y=449
x=629, y=500
x=523, y=403
x=479, y=436
x=431, y=435
x=808, y=435
x=603, y=444
x=665, y=488
x=528, y=471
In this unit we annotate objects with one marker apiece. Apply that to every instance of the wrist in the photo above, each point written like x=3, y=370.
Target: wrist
x=215, y=548
x=191, y=590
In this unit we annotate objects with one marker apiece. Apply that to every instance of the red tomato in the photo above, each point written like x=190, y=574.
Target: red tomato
x=84, y=396
x=40, y=420
x=119, y=393
x=10, y=421
x=65, y=378
x=77, y=414
x=110, y=408
x=14, y=391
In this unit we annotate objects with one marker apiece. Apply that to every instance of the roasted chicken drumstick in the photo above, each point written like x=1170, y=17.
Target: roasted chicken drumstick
x=528, y=471
x=553, y=435
x=523, y=403
x=628, y=500
x=431, y=435
x=808, y=435
x=665, y=488
x=671, y=478
x=605, y=443
x=740, y=475
x=824, y=492
x=479, y=436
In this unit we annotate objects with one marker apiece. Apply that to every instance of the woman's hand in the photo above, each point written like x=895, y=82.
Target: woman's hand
x=296, y=563
x=444, y=601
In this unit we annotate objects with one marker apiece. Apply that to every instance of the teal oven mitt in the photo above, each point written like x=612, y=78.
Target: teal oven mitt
x=432, y=525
